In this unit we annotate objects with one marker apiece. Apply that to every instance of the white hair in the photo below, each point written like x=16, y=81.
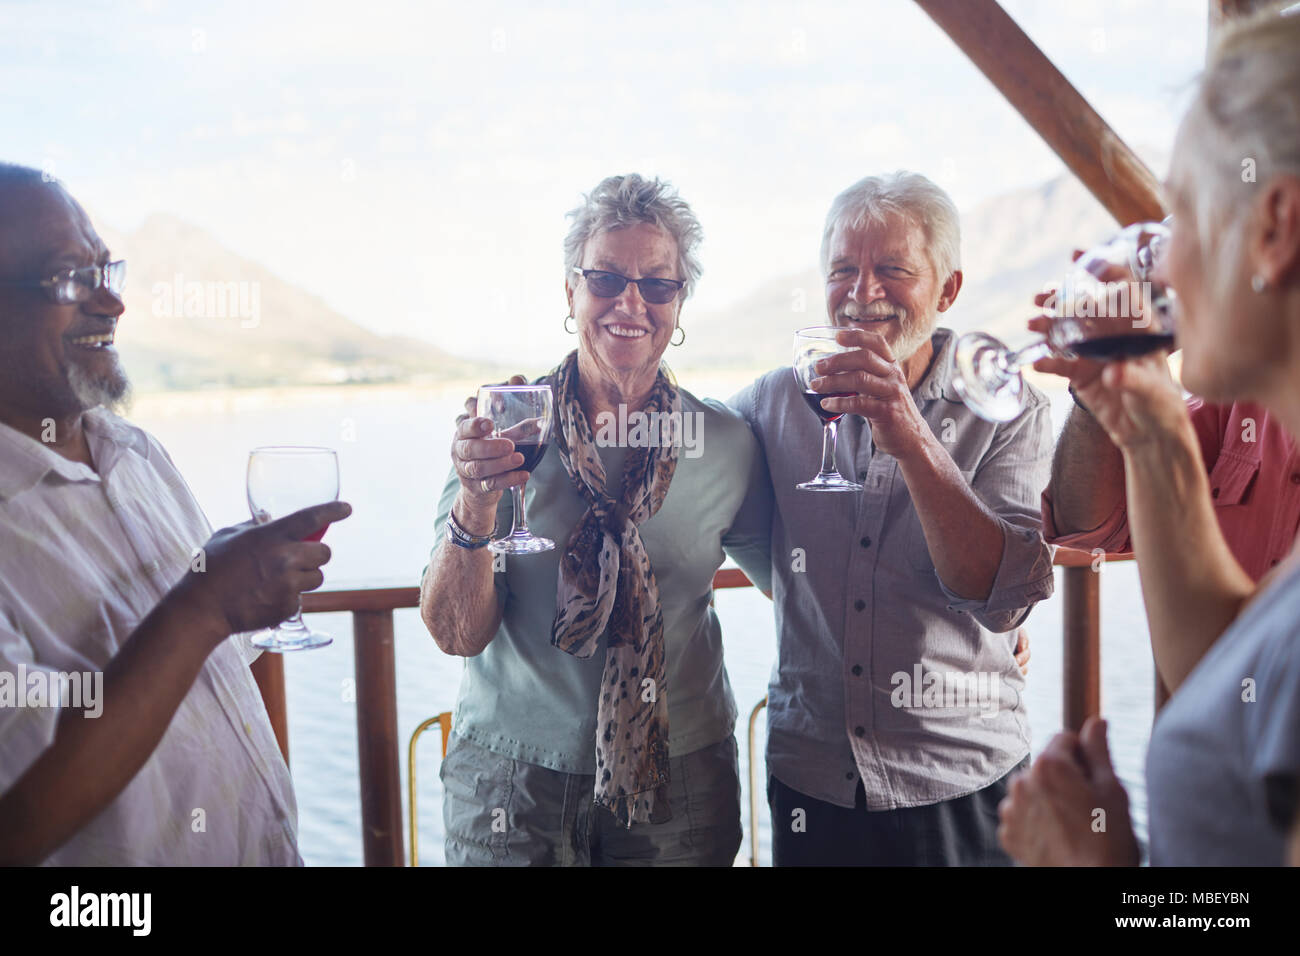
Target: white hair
x=1243, y=126
x=621, y=201
x=910, y=195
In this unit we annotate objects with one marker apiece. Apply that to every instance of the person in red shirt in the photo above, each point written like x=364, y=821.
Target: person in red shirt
x=1253, y=468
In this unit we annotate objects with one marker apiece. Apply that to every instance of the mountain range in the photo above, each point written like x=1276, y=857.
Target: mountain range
x=183, y=329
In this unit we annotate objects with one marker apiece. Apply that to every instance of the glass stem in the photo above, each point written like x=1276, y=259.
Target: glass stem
x=828, y=450
x=520, y=527
x=1026, y=356
x=295, y=621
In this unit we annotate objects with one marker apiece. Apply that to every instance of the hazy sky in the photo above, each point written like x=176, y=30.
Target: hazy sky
x=412, y=163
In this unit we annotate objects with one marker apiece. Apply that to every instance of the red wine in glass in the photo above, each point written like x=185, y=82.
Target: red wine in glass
x=814, y=400
x=1113, y=305
x=810, y=345
x=533, y=452
x=1122, y=346
x=522, y=413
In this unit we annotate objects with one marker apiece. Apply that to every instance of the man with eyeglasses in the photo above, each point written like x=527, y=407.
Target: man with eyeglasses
x=896, y=710
x=131, y=729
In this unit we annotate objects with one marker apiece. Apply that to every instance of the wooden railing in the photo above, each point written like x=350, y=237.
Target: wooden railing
x=378, y=752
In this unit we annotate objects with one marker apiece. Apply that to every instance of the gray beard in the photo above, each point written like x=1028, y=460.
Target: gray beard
x=111, y=390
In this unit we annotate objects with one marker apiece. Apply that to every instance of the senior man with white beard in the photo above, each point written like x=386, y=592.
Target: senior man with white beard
x=896, y=712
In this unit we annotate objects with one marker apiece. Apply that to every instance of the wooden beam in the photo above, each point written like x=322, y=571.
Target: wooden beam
x=1111, y=171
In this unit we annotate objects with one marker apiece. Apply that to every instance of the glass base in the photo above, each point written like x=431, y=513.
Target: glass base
x=831, y=482
x=983, y=381
x=521, y=544
x=284, y=639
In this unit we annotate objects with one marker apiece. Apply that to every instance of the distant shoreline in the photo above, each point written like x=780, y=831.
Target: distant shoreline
x=152, y=404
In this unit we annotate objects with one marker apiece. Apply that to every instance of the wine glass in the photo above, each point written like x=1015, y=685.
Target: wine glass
x=283, y=479
x=1113, y=305
x=521, y=413
x=812, y=344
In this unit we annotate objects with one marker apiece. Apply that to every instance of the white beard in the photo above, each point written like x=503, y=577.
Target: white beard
x=111, y=390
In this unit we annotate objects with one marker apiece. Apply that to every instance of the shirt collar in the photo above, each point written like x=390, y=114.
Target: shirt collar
x=937, y=382
x=24, y=461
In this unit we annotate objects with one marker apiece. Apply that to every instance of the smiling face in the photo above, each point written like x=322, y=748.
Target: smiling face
x=622, y=339
x=55, y=360
x=880, y=277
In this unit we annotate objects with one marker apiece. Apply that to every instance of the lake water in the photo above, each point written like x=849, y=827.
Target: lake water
x=393, y=450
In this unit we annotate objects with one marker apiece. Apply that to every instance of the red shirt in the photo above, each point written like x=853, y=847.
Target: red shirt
x=1254, y=473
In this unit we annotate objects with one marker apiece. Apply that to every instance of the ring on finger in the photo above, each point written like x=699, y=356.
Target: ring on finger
x=486, y=485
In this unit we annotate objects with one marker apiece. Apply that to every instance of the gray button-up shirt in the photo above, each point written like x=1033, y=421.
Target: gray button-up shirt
x=882, y=672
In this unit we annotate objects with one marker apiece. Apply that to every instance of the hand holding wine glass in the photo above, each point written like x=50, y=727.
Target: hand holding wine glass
x=253, y=574
x=865, y=379
x=1113, y=305
x=283, y=480
x=810, y=346
x=521, y=416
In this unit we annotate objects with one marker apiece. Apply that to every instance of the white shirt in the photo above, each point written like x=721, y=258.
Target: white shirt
x=84, y=557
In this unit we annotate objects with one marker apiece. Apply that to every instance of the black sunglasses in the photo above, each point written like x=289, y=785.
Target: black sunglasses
x=609, y=284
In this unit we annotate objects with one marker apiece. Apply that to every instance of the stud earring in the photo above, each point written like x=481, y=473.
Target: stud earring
x=1258, y=282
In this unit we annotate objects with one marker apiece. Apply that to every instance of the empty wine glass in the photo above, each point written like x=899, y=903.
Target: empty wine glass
x=1112, y=305
x=283, y=479
x=521, y=413
x=810, y=345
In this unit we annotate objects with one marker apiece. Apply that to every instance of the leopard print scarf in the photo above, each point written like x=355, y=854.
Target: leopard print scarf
x=607, y=587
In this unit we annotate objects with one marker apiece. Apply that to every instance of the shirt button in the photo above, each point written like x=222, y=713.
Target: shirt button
x=860, y=604
x=1295, y=478
x=849, y=775
x=866, y=542
x=860, y=731
x=1214, y=492
x=1273, y=563
x=248, y=728
x=857, y=670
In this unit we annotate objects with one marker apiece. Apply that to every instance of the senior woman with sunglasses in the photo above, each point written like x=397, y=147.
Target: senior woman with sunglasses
x=594, y=722
x=1223, y=764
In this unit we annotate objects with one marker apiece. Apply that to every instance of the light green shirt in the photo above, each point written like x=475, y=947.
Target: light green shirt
x=526, y=699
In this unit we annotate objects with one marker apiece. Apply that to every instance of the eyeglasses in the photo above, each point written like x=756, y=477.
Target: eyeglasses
x=609, y=284
x=77, y=285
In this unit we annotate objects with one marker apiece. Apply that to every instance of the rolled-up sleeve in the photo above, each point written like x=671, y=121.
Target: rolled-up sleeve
x=1008, y=480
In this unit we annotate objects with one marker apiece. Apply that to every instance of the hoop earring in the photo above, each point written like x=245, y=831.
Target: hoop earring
x=681, y=330
x=1258, y=282
x=571, y=331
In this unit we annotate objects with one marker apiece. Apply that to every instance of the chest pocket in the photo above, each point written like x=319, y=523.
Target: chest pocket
x=1231, y=479
x=918, y=552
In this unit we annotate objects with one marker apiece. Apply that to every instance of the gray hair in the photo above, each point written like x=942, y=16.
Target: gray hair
x=1243, y=125
x=621, y=201
x=878, y=198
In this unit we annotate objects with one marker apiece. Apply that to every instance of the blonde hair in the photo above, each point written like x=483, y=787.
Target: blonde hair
x=1243, y=126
